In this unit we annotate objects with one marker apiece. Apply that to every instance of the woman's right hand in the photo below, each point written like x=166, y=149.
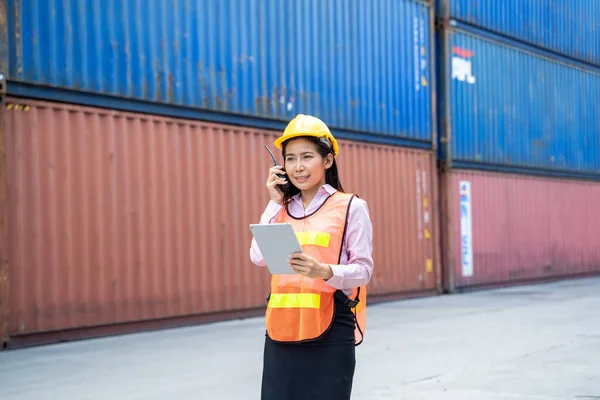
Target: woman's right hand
x=273, y=180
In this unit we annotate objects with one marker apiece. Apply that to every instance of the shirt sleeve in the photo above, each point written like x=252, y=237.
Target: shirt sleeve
x=359, y=248
x=266, y=218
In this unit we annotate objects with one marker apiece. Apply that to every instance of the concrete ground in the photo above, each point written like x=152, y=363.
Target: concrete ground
x=530, y=342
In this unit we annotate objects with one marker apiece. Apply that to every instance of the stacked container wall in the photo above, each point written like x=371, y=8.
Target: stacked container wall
x=118, y=217
x=509, y=107
x=540, y=228
x=361, y=66
x=4, y=271
x=568, y=27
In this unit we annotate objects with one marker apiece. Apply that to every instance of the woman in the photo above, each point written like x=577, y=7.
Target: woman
x=315, y=317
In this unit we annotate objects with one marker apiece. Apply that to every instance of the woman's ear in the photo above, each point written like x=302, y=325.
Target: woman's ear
x=328, y=161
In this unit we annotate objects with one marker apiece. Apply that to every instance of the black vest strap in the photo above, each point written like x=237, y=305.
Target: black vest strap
x=341, y=297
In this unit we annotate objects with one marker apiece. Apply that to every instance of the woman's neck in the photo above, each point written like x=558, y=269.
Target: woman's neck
x=309, y=195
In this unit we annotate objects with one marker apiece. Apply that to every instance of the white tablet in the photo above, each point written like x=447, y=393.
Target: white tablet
x=276, y=242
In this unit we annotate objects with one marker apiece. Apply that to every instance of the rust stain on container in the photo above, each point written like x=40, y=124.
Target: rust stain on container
x=118, y=217
x=522, y=228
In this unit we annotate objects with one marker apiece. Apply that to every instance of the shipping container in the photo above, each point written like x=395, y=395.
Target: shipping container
x=119, y=218
x=568, y=27
x=507, y=106
x=3, y=192
x=364, y=67
x=508, y=228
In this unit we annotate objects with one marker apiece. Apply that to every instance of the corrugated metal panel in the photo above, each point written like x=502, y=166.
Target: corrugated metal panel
x=509, y=107
x=4, y=271
x=570, y=27
x=119, y=217
x=360, y=66
x=539, y=228
x=397, y=183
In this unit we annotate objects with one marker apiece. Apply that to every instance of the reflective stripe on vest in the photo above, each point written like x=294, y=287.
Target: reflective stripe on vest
x=315, y=238
x=300, y=308
x=295, y=300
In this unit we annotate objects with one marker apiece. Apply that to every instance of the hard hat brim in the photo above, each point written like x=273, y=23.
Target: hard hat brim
x=280, y=140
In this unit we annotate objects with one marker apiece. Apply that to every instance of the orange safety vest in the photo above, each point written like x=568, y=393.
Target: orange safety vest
x=301, y=309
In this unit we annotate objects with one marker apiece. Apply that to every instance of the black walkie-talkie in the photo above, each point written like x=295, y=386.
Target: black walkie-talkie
x=285, y=186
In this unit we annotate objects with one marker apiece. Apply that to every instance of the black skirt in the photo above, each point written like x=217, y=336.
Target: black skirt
x=320, y=369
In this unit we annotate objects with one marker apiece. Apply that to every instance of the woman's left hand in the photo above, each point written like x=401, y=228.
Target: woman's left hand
x=309, y=267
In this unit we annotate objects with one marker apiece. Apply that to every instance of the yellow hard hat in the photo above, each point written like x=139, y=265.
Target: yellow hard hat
x=307, y=125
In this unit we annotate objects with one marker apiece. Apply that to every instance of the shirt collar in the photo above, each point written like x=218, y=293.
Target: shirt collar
x=325, y=189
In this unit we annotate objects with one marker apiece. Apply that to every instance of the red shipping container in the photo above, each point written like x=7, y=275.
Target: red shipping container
x=502, y=228
x=120, y=218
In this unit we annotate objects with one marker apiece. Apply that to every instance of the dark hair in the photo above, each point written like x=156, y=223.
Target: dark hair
x=331, y=174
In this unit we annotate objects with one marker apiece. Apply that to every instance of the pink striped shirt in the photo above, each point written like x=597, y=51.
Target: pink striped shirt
x=356, y=264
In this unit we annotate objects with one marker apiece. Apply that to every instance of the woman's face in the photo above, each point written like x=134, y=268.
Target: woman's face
x=304, y=166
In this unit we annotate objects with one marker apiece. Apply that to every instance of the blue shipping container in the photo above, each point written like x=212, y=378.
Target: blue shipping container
x=515, y=107
x=569, y=27
x=361, y=66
